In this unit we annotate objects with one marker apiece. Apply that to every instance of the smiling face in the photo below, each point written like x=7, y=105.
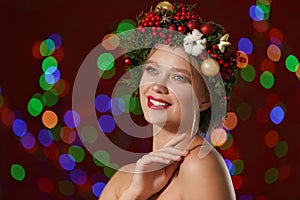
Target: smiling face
x=170, y=89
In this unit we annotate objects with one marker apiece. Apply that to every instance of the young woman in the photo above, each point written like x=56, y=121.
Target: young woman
x=171, y=91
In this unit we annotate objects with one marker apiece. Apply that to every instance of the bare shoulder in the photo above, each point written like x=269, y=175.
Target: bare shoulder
x=205, y=176
x=118, y=183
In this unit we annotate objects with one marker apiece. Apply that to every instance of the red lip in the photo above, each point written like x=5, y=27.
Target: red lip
x=155, y=107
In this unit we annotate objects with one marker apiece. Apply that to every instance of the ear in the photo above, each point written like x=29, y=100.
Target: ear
x=205, y=104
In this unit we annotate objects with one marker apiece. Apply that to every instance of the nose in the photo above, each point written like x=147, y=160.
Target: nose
x=159, y=88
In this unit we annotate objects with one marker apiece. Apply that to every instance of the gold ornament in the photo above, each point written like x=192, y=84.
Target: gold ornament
x=163, y=5
x=224, y=42
x=210, y=67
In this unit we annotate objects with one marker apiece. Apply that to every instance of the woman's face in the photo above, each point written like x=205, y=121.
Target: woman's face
x=170, y=90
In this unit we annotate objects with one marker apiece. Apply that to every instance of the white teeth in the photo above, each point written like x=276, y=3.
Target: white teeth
x=157, y=103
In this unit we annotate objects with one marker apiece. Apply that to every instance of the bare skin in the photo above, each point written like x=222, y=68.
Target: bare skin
x=197, y=178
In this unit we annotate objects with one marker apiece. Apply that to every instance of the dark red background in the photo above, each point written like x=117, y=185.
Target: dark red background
x=82, y=24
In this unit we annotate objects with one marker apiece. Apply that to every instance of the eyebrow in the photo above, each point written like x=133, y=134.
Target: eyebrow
x=177, y=69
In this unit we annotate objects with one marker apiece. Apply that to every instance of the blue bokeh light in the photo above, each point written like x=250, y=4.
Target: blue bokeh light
x=277, y=115
x=45, y=137
x=78, y=176
x=107, y=123
x=72, y=118
x=102, y=103
x=19, y=127
x=97, y=188
x=67, y=161
x=256, y=13
x=245, y=45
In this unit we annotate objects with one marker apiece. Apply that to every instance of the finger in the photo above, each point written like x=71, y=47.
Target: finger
x=176, y=140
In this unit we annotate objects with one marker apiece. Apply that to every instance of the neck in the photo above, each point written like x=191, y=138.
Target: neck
x=162, y=135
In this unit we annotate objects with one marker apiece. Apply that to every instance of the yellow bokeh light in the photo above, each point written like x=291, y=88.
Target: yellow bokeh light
x=231, y=121
x=110, y=41
x=298, y=71
x=243, y=56
x=49, y=119
x=218, y=137
x=274, y=52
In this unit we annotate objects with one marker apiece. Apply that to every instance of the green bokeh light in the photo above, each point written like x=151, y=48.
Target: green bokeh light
x=228, y=142
x=271, y=175
x=265, y=9
x=17, y=172
x=239, y=166
x=89, y=134
x=51, y=97
x=77, y=152
x=105, y=61
x=43, y=83
x=110, y=170
x=125, y=25
x=267, y=79
x=107, y=74
x=248, y=73
x=101, y=158
x=35, y=107
x=281, y=149
x=135, y=106
x=47, y=47
x=49, y=62
x=292, y=63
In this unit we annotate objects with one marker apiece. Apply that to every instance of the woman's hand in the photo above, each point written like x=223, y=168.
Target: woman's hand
x=153, y=170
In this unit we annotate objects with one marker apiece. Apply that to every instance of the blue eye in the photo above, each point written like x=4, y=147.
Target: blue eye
x=151, y=70
x=180, y=78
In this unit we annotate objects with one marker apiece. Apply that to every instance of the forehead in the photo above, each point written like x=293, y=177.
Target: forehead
x=171, y=57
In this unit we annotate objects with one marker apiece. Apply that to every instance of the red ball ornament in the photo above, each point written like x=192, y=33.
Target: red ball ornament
x=181, y=29
x=192, y=24
x=207, y=28
x=127, y=61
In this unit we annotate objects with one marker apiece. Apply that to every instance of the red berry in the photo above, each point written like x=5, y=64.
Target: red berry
x=145, y=24
x=209, y=51
x=147, y=19
x=188, y=17
x=173, y=7
x=154, y=34
x=214, y=47
x=157, y=18
x=127, y=61
x=226, y=65
x=157, y=23
x=150, y=23
x=166, y=42
x=178, y=14
x=182, y=17
x=143, y=21
x=221, y=62
x=169, y=39
x=181, y=29
x=215, y=55
x=177, y=18
x=183, y=13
